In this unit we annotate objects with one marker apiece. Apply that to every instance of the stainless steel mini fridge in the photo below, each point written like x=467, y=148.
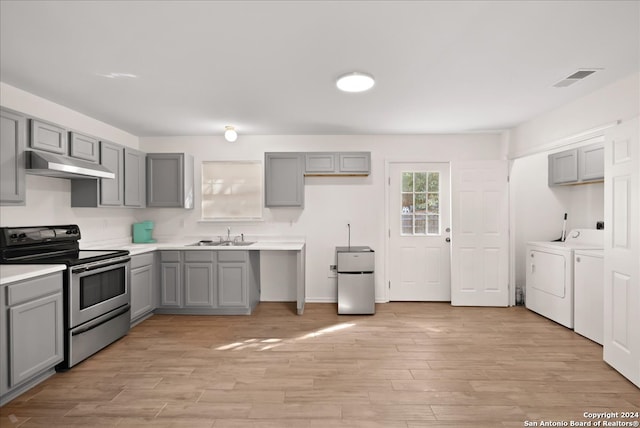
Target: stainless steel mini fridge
x=356, y=289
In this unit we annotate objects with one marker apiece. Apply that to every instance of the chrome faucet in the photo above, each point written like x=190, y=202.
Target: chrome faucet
x=228, y=233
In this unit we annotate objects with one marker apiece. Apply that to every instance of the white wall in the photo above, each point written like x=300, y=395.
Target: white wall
x=48, y=199
x=536, y=209
x=330, y=202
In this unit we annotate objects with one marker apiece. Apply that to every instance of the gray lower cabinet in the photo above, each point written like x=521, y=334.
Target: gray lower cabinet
x=48, y=137
x=199, y=278
x=170, y=180
x=12, y=145
x=31, y=333
x=284, y=179
x=224, y=282
x=238, y=279
x=141, y=286
x=170, y=280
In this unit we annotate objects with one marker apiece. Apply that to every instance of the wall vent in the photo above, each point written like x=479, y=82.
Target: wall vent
x=575, y=77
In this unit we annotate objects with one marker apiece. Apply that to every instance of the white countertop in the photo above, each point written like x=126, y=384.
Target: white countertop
x=15, y=273
x=135, y=249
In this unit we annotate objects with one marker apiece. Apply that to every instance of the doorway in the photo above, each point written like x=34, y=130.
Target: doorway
x=419, y=261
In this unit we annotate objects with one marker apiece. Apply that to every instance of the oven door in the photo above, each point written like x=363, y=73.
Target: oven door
x=96, y=289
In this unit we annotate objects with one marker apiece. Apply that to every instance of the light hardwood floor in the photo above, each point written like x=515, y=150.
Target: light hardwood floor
x=410, y=365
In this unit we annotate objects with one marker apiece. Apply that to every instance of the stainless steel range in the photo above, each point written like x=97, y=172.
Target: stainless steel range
x=96, y=284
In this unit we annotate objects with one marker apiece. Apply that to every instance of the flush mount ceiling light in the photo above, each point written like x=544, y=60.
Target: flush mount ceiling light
x=230, y=134
x=355, y=82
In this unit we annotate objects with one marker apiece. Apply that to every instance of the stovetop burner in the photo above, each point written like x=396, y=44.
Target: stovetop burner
x=48, y=245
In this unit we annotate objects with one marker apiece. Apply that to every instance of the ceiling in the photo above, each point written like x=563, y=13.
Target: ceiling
x=269, y=67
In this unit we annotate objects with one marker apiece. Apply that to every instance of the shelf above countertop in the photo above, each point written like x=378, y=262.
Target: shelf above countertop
x=15, y=273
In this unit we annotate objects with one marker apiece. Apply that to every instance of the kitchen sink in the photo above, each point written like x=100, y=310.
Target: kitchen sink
x=209, y=243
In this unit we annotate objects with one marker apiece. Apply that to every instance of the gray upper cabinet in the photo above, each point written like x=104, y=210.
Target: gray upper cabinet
x=135, y=178
x=111, y=191
x=354, y=163
x=591, y=162
x=319, y=163
x=577, y=166
x=48, y=137
x=126, y=189
x=284, y=179
x=337, y=163
x=83, y=147
x=170, y=180
x=12, y=145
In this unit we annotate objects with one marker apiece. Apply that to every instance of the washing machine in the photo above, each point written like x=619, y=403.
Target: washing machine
x=549, y=277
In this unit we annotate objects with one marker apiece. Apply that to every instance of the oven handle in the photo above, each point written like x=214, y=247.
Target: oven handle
x=101, y=320
x=99, y=265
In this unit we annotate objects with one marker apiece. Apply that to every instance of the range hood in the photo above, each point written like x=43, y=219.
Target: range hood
x=50, y=165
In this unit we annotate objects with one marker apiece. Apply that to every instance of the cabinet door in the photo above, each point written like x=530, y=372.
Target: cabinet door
x=320, y=163
x=165, y=180
x=232, y=284
x=170, y=285
x=48, y=137
x=284, y=180
x=141, y=291
x=134, y=178
x=591, y=162
x=83, y=147
x=198, y=284
x=111, y=156
x=12, y=173
x=563, y=167
x=354, y=163
x=35, y=336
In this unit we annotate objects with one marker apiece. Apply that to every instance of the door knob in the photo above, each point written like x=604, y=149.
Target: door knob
x=447, y=239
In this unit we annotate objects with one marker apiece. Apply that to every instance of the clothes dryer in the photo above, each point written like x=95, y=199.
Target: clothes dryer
x=549, y=276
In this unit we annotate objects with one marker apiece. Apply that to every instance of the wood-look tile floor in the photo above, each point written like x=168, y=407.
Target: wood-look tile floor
x=410, y=365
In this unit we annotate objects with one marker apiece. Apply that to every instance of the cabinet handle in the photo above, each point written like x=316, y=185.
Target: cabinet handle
x=577, y=259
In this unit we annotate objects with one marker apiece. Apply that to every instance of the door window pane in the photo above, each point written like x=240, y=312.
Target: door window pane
x=420, y=213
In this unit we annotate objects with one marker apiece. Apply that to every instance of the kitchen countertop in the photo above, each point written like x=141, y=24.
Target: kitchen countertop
x=135, y=249
x=15, y=273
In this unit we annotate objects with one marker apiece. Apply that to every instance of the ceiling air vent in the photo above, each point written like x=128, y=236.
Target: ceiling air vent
x=575, y=77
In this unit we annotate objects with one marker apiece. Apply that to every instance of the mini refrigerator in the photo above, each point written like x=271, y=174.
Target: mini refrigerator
x=356, y=289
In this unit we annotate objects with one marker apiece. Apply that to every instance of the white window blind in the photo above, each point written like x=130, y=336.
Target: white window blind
x=231, y=190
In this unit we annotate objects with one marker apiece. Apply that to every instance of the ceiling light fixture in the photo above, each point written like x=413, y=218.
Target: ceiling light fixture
x=230, y=133
x=355, y=82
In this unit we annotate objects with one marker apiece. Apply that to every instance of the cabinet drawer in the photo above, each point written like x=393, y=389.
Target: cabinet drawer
x=199, y=256
x=169, y=256
x=141, y=260
x=232, y=256
x=34, y=288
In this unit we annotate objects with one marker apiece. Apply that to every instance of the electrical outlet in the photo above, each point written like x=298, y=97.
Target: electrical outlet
x=333, y=271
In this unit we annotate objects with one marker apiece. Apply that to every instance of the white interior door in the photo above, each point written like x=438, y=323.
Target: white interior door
x=419, y=219
x=480, y=234
x=622, y=250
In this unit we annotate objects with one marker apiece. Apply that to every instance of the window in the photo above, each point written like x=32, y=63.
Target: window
x=420, y=203
x=231, y=190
